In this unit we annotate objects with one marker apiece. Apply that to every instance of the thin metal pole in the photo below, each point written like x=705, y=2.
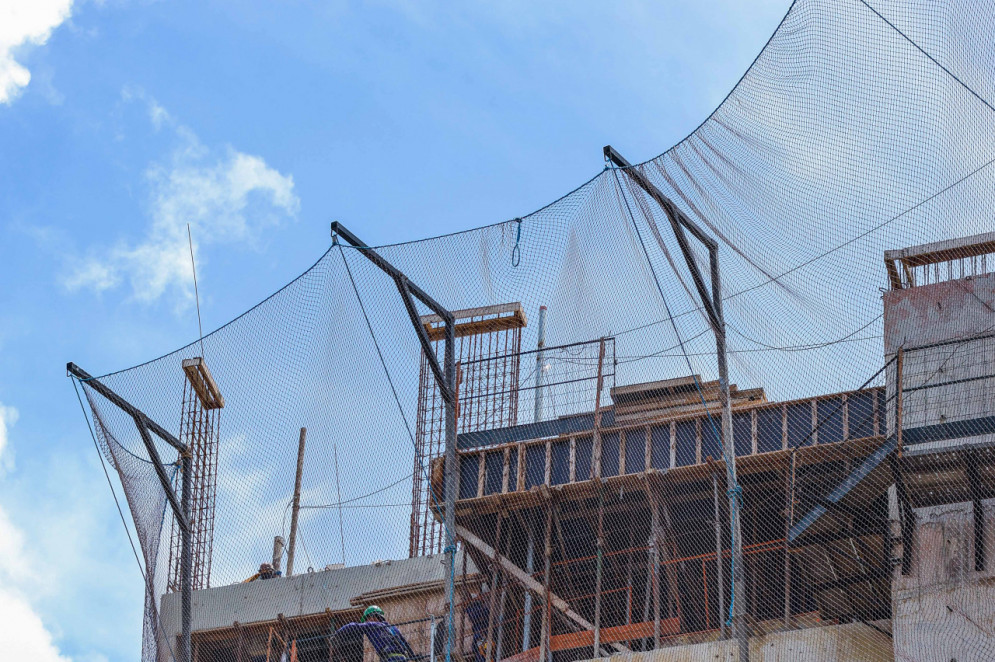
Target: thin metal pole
x=449, y=369
x=729, y=453
x=718, y=558
x=545, y=653
x=654, y=554
x=186, y=559
x=540, y=361
x=296, y=507
x=598, y=574
x=530, y=544
x=196, y=293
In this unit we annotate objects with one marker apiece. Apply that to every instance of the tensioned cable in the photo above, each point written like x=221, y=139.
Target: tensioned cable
x=931, y=58
x=407, y=427
x=825, y=253
x=368, y=494
x=735, y=492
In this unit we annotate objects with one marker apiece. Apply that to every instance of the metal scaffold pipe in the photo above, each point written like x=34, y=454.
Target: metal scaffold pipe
x=540, y=362
x=711, y=302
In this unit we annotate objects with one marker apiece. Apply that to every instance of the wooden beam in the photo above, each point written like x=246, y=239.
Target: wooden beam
x=527, y=580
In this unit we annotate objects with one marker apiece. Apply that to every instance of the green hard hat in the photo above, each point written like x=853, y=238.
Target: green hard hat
x=371, y=610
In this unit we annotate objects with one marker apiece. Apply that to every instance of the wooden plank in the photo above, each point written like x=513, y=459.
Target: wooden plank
x=753, y=432
x=203, y=383
x=527, y=580
x=437, y=330
x=846, y=418
x=697, y=441
x=506, y=470
x=621, y=452
x=573, y=459
x=673, y=444
x=648, y=450
x=815, y=423
x=481, y=471
x=548, y=468
x=520, y=477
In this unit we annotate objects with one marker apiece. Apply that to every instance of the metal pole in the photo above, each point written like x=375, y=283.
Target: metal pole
x=712, y=304
x=598, y=573
x=738, y=596
x=296, y=507
x=450, y=478
x=186, y=559
x=718, y=557
x=540, y=361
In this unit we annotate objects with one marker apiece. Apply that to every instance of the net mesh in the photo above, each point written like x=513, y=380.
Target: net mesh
x=593, y=511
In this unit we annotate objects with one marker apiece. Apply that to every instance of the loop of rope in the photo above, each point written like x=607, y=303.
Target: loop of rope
x=516, y=252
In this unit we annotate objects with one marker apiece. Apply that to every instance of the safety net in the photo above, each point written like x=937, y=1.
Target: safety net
x=847, y=183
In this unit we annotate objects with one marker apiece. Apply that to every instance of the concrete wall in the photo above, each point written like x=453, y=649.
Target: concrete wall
x=944, y=609
x=853, y=642
x=300, y=595
x=937, y=313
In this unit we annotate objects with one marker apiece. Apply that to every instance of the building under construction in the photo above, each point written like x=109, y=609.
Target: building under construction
x=867, y=515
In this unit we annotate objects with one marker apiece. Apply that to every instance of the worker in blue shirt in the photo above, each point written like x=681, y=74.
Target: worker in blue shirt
x=388, y=641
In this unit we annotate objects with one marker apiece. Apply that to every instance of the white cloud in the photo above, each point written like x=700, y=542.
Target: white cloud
x=32, y=641
x=25, y=23
x=8, y=416
x=227, y=196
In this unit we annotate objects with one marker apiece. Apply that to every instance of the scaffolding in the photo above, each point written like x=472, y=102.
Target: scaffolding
x=488, y=354
x=200, y=420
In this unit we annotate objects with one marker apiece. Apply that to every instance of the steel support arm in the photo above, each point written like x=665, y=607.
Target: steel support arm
x=160, y=471
x=124, y=405
x=712, y=304
x=340, y=230
x=404, y=287
x=679, y=221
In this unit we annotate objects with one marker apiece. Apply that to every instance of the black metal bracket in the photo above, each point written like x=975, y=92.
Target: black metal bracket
x=145, y=425
x=407, y=289
x=679, y=222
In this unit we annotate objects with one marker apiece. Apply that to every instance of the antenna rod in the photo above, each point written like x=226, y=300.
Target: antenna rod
x=196, y=294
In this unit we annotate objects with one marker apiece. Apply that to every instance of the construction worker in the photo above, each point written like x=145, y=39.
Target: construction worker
x=388, y=641
x=266, y=571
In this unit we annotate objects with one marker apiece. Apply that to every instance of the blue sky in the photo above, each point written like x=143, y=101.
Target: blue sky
x=260, y=123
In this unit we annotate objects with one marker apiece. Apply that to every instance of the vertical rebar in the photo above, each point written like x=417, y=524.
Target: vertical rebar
x=186, y=558
x=450, y=477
